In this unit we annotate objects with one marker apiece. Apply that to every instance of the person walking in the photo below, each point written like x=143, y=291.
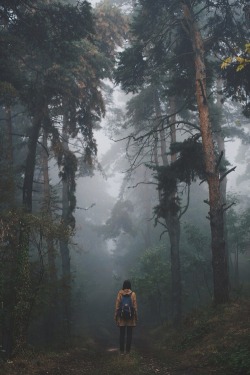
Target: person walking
x=126, y=315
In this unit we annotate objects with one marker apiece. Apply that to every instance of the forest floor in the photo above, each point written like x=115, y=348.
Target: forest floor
x=81, y=362
x=211, y=341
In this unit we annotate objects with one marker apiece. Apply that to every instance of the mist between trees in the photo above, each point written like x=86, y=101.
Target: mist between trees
x=167, y=84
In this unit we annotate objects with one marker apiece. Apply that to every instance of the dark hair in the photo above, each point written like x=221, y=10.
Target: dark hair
x=126, y=284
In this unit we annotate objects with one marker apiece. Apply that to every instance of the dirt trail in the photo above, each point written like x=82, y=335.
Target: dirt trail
x=100, y=357
x=82, y=361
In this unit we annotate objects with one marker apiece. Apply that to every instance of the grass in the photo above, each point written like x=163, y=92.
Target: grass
x=211, y=341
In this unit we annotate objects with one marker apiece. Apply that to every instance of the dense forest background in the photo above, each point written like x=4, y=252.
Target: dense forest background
x=124, y=153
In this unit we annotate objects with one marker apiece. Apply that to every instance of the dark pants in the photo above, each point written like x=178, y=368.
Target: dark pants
x=128, y=338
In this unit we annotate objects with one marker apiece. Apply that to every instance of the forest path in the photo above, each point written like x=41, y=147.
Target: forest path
x=99, y=357
x=82, y=361
x=108, y=362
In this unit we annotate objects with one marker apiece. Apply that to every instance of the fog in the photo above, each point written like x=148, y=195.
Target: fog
x=162, y=202
x=98, y=262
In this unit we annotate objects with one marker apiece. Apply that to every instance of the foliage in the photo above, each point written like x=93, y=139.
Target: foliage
x=119, y=221
x=188, y=167
x=22, y=268
x=237, y=72
x=151, y=280
x=239, y=62
x=111, y=28
x=238, y=234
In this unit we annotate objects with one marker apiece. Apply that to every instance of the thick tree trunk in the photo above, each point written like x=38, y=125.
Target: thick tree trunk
x=219, y=259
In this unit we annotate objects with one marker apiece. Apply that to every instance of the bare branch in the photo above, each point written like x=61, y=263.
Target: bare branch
x=226, y=173
x=203, y=181
x=142, y=183
x=40, y=143
x=165, y=231
x=227, y=208
x=87, y=208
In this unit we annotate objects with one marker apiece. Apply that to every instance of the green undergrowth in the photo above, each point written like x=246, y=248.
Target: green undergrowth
x=211, y=341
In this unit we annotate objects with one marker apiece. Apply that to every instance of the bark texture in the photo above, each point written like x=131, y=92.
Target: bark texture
x=219, y=259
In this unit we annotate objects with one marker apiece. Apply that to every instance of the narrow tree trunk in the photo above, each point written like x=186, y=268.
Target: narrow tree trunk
x=51, y=317
x=172, y=222
x=23, y=285
x=8, y=270
x=174, y=235
x=148, y=210
x=223, y=184
x=172, y=120
x=23, y=292
x=173, y=225
x=9, y=135
x=219, y=260
x=7, y=185
x=64, y=246
x=236, y=268
x=31, y=162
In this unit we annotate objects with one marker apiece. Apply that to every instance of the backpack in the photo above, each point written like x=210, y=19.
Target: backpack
x=126, y=309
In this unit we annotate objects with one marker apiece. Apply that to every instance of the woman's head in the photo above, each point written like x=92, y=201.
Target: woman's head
x=126, y=284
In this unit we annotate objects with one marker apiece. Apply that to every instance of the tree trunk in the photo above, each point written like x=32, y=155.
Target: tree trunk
x=236, y=268
x=219, y=259
x=23, y=285
x=7, y=185
x=223, y=184
x=51, y=316
x=147, y=205
x=64, y=246
x=23, y=292
x=172, y=223
x=31, y=162
x=9, y=135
